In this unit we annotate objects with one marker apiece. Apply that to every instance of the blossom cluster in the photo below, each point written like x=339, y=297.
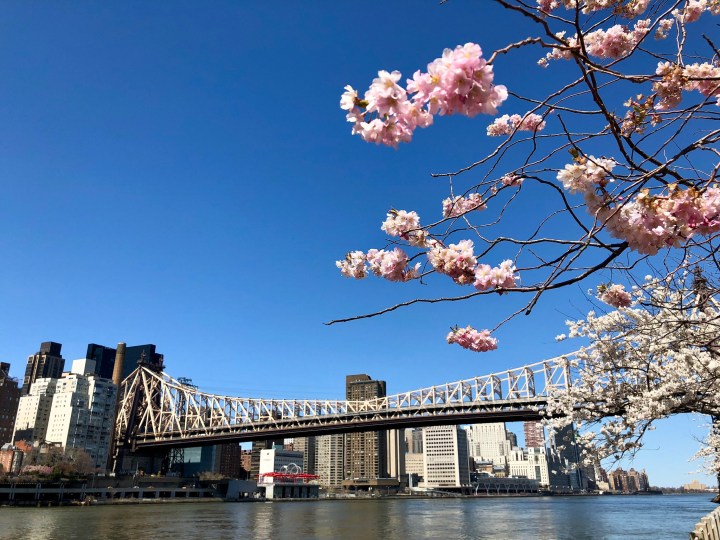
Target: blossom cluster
x=456, y=260
x=391, y=265
x=615, y=42
x=643, y=363
x=674, y=78
x=614, y=295
x=405, y=225
x=511, y=179
x=586, y=173
x=649, y=223
x=499, y=277
x=353, y=266
x=44, y=470
x=474, y=340
x=457, y=206
x=459, y=82
x=626, y=8
x=507, y=125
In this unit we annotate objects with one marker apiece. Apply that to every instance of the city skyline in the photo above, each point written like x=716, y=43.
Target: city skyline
x=492, y=442
x=184, y=177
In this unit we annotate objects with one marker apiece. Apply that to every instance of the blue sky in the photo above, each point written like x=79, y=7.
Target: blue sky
x=181, y=174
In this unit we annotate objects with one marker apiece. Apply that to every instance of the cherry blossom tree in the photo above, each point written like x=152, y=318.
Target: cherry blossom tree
x=623, y=151
x=656, y=355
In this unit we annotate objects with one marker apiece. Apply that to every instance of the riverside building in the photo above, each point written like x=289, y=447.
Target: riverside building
x=330, y=459
x=33, y=412
x=9, y=401
x=490, y=442
x=446, y=457
x=47, y=363
x=83, y=412
x=365, y=453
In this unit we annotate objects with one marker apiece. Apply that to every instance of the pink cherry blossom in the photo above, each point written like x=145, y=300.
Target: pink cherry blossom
x=391, y=265
x=507, y=125
x=586, y=173
x=511, y=179
x=474, y=340
x=406, y=225
x=457, y=206
x=459, y=82
x=705, y=78
x=614, y=295
x=353, y=266
x=456, y=261
x=649, y=223
x=502, y=276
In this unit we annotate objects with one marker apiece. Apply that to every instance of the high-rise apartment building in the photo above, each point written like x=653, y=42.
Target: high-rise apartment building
x=47, y=363
x=446, y=457
x=83, y=413
x=628, y=481
x=490, y=442
x=413, y=440
x=330, y=459
x=534, y=435
x=230, y=464
x=365, y=453
x=9, y=400
x=566, y=457
x=530, y=463
x=33, y=413
x=308, y=447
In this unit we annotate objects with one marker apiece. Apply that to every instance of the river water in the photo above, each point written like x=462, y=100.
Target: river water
x=548, y=518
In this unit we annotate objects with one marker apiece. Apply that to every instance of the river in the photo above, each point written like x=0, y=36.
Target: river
x=548, y=518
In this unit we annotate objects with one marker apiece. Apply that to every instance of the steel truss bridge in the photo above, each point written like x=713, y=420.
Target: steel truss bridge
x=157, y=411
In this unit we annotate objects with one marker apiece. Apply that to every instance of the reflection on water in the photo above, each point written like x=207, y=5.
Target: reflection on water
x=576, y=518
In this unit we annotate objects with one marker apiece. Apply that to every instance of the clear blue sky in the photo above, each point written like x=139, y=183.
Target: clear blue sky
x=179, y=173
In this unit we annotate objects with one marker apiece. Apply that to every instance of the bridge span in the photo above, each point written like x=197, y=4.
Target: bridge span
x=157, y=411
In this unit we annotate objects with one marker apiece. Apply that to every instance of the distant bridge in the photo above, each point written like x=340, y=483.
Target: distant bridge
x=157, y=411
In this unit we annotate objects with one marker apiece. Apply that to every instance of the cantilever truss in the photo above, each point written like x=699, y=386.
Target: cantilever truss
x=157, y=410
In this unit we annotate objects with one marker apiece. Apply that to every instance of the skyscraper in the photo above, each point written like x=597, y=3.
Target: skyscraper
x=365, y=453
x=9, y=397
x=308, y=446
x=567, y=456
x=144, y=353
x=104, y=358
x=329, y=459
x=413, y=440
x=446, y=456
x=490, y=442
x=47, y=363
x=534, y=434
